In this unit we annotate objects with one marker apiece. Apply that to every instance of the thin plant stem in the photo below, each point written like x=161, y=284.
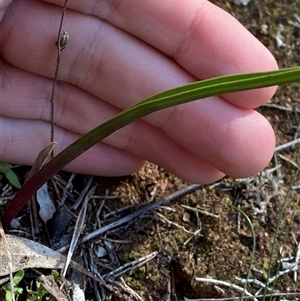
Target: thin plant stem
x=282, y=209
x=253, y=245
x=59, y=49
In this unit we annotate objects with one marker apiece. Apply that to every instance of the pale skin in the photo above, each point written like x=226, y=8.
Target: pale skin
x=119, y=52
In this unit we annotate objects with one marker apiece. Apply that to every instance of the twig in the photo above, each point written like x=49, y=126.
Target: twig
x=288, y=160
x=67, y=188
x=140, y=212
x=130, y=291
x=245, y=297
x=90, y=263
x=275, y=106
x=230, y=285
x=173, y=223
x=286, y=145
x=254, y=281
x=297, y=262
x=197, y=232
x=78, y=229
x=195, y=209
x=87, y=184
x=130, y=266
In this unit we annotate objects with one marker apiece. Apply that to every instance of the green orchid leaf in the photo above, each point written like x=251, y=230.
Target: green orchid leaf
x=194, y=91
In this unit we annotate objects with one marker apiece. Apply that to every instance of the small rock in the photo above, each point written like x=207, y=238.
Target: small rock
x=243, y=2
x=186, y=217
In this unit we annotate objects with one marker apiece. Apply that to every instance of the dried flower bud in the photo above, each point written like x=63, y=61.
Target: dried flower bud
x=63, y=40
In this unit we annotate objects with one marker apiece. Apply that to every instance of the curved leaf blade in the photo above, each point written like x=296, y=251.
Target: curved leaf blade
x=176, y=96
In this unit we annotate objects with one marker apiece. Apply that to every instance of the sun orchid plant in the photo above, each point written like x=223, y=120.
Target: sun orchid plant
x=176, y=96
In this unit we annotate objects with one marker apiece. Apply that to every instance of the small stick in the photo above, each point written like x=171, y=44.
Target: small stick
x=130, y=266
x=230, y=285
x=286, y=145
x=138, y=213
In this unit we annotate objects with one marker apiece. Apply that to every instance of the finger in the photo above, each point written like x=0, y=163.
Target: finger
x=94, y=68
x=22, y=140
x=3, y=6
x=77, y=112
x=238, y=142
x=202, y=38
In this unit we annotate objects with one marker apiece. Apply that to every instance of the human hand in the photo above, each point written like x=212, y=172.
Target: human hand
x=3, y=6
x=119, y=53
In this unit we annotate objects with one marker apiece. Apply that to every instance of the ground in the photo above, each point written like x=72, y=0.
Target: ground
x=215, y=244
